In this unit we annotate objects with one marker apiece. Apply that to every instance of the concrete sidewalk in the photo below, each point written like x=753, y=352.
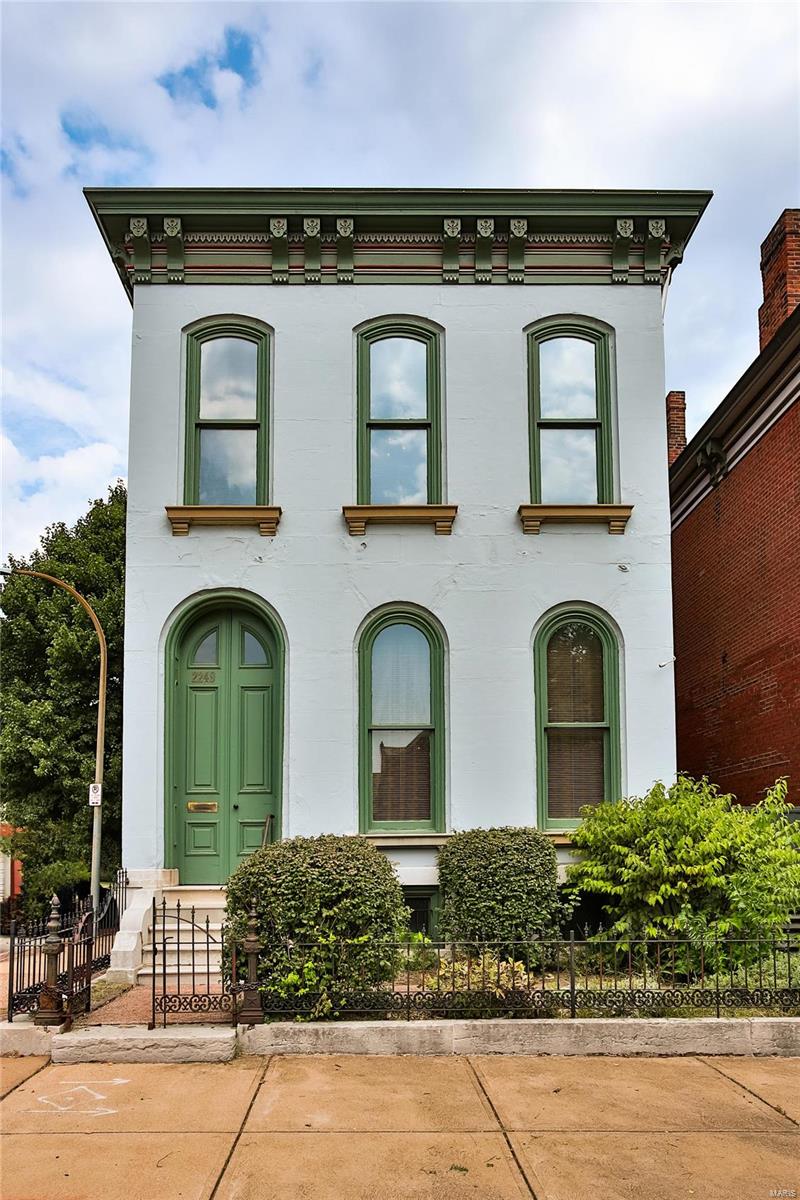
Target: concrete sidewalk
x=402, y=1128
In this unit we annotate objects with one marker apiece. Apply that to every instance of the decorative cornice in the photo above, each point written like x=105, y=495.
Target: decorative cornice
x=473, y=237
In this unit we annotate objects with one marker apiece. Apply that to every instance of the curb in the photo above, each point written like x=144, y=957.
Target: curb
x=671, y=1037
x=665, y=1037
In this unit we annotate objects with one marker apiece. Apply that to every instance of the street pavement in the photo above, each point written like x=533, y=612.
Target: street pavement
x=402, y=1128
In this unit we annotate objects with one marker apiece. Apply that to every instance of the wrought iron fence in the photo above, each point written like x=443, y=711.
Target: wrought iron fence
x=51, y=961
x=536, y=978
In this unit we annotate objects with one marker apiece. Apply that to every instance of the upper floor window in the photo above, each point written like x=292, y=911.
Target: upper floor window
x=401, y=735
x=570, y=413
x=577, y=716
x=227, y=384
x=399, y=418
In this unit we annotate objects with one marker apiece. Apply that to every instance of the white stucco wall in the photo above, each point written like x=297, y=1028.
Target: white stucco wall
x=488, y=584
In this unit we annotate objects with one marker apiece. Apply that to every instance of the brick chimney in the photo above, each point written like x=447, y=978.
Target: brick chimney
x=780, y=273
x=676, y=424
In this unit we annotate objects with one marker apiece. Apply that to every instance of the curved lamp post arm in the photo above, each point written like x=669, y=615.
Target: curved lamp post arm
x=101, y=716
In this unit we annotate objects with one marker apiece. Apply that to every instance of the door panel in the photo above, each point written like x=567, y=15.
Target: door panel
x=227, y=773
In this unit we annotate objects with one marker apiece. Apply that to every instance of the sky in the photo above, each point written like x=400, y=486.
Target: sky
x=639, y=95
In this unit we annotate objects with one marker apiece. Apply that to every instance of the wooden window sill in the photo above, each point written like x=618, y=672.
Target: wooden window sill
x=615, y=516
x=558, y=837
x=183, y=516
x=358, y=516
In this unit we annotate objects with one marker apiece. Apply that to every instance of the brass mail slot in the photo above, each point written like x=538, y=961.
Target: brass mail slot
x=202, y=805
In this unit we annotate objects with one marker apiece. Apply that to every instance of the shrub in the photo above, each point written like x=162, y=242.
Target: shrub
x=498, y=885
x=682, y=859
x=326, y=907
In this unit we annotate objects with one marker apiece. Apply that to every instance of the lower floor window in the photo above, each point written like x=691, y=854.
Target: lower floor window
x=401, y=719
x=577, y=716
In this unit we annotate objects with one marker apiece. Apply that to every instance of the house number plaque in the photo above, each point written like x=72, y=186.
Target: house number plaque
x=202, y=805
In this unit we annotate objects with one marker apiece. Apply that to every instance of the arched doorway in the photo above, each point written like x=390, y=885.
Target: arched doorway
x=224, y=739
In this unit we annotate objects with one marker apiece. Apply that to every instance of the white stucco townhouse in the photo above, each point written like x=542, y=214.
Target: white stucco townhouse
x=398, y=552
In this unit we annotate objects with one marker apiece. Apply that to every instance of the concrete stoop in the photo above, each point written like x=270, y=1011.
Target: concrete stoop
x=666, y=1037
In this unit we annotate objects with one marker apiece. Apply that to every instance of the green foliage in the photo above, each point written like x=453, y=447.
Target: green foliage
x=685, y=858
x=327, y=908
x=49, y=675
x=498, y=885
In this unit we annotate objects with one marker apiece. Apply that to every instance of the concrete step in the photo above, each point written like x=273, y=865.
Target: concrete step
x=214, y=974
x=173, y=953
x=211, y=898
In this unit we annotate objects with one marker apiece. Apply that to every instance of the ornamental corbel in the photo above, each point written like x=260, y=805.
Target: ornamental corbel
x=712, y=459
x=311, y=249
x=517, y=238
x=621, y=250
x=656, y=229
x=279, y=240
x=344, y=249
x=450, y=253
x=173, y=236
x=140, y=245
x=674, y=254
x=484, y=241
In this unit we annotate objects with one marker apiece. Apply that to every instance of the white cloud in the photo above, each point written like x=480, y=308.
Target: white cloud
x=592, y=95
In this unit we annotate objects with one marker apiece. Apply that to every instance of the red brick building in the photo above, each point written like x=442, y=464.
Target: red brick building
x=735, y=495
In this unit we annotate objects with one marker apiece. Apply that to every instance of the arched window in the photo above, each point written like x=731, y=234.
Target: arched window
x=577, y=716
x=227, y=398
x=401, y=735
x=399, y=418
x=569, y=371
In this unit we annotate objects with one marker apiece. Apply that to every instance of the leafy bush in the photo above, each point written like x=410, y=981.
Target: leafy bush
x=498, y=885
x=682, y=859
x=326, y=907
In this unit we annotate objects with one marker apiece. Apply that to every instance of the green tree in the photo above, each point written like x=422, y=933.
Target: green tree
x=49, y=674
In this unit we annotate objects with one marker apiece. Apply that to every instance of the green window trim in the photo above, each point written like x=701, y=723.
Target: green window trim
x=197, y=335
x=612, y=763
x=573, y=327
x=418, y=330
x=401, y=616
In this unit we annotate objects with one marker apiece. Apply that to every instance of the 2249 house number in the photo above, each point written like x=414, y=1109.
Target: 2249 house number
x=203, y=677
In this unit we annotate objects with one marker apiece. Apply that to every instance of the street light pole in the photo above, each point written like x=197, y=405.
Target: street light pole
x=97, y=819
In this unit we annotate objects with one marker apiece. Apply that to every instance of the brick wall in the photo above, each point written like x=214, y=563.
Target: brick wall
x=736, y=582
x=676, y=424
x=780, y=274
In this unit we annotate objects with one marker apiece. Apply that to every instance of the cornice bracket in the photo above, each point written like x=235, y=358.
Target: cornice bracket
x=656, y=230
x=142, y=253
x=712, y=459
x=173, y=236
x=279, y=240
x=517, y=238
x=450, y=254
x=311, y=249
x=621, y=250
x=344, y=249
x=484, y=241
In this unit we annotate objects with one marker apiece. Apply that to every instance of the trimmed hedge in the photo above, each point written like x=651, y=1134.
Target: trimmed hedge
x=498, y=885
x=324, y=906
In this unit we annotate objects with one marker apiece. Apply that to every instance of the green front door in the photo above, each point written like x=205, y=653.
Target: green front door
x=226, y=771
